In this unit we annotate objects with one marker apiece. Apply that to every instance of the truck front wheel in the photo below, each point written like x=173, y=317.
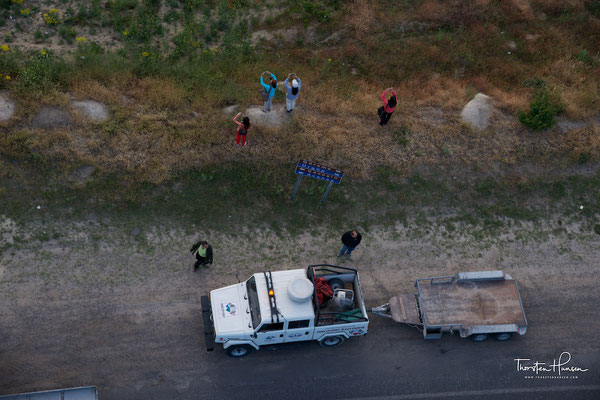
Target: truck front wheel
x=332, y=341
x=238, y=350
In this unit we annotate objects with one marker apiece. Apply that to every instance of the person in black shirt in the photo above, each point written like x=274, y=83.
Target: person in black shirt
x=203, y=252
x=350, y=240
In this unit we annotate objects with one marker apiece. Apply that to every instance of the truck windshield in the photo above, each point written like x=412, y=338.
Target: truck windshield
x=253, y=301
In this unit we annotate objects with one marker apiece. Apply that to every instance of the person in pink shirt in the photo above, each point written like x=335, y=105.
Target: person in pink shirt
x=385, y=112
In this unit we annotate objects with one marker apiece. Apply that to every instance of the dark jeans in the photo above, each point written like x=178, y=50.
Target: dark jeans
x=346, y=249
x=385, y=117
x=201, y=261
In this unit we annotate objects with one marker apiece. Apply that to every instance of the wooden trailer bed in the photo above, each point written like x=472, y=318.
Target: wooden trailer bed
x=495, y=302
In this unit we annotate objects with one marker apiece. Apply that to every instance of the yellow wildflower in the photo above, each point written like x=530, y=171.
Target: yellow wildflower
x=7, y=77
x=330, y=60
x=5, y=47
x=126, y=32
x=17, y=1
x=43, y=52
x=81, y=39
x=145, y=53
x=51, y=17
x=25, y=11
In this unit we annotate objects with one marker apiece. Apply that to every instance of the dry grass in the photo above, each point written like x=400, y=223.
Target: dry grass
x=463, y=51
x=361, y=16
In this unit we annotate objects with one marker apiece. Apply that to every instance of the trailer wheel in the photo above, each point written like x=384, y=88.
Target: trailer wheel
x=480, y=337
x=332, y=341
x=504, y=336
x=238, y=350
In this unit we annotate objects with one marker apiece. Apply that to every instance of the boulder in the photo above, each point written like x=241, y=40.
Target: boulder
x=85, y=172
x=7, y=107
x=277, y=116
x=51, y=117
x=478, y=111
x=92, y=110
x=566, y=126
x=230, y=110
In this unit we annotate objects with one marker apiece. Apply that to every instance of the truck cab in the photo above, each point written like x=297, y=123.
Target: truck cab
x=283, y=306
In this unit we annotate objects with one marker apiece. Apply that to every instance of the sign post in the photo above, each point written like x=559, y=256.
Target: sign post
x=316, y=171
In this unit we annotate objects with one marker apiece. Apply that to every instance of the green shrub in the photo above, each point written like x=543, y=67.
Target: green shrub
x=88, y=49
x=593, y=7
x=541, y=112
x=145, y=26
x=67, y=33
x=584, y=57
x=41, y=74
x=121, y=5
x=186, y=42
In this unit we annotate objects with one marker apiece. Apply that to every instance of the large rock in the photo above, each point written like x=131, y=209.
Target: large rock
x=478, y=111
x=277, y=116
x=50, y=118
x=7, y=107
x=230, y=110
x=566, y=126
x=92, y=110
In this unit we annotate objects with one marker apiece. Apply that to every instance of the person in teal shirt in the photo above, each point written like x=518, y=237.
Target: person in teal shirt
x=270, y=89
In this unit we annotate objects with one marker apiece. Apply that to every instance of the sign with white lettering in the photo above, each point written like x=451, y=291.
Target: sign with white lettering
x=317, y=171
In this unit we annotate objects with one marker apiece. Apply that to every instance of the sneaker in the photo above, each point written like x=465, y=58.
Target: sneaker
x=348, y=256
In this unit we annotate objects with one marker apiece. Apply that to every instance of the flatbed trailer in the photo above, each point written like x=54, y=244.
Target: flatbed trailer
x=472, y=304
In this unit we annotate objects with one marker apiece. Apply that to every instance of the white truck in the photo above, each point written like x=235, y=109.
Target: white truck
x=283, y=306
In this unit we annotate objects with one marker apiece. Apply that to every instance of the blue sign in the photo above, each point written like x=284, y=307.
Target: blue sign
x=318, y=171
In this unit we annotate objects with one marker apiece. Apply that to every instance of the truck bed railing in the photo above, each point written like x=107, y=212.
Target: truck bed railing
x=326, y=318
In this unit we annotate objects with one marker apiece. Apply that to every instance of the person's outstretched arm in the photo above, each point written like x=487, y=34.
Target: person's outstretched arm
x=262, y=83
x=383, y=98
x=235, y=119
x=273, y=76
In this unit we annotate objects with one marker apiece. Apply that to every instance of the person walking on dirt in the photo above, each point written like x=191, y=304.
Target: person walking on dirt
x=270, y=90
x=203, y=252
x=242, y=129
x=292, y=91
x=350, y=240
x=385, y=112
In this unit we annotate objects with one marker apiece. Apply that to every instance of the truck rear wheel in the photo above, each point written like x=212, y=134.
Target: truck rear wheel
x=479, y=337
x=332, y=341
x=239, y=350
x=504, y=336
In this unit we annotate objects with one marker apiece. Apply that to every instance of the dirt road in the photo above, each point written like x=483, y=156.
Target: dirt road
x=119, y=308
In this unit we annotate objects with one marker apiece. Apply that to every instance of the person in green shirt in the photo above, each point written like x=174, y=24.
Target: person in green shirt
x=203, y=252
